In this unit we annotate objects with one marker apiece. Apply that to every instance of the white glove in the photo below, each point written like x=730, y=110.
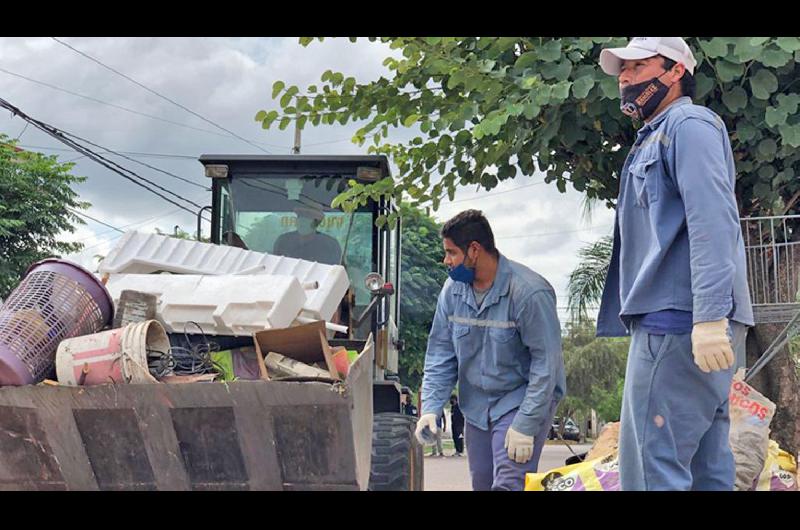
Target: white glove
x=429, y=421
x=519, y=446
x=711, y=346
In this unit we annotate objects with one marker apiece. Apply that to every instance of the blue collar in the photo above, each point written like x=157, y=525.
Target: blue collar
x=499, y=288
x=655, y=122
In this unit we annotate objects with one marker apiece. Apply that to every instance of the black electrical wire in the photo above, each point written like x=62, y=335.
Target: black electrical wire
x=173, y=175
x=190, y=111
x=95, y=100
x=60, y=135
x=196, y=359
x=76, y=212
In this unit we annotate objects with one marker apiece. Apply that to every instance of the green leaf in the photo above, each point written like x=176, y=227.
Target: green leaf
x=525, y=60
x=775, y=58
x=758, y=41
x=559, y=71
x=744, y=51
x=745, y=131
x=261, y=115
x=515, y=109
x=411, y=120
x=550, y=51
x=582, y=86
x=531, y=110
x=610, y=87
x=715, y=47
x=728, y=71
x=561, y=90
x=284, y=123
x=790, y=135
x=767, y=149
x=736, y=99
x=761, y=189
x=789, y=44
x=703, y=84
x=433, y=41
x=763, y=84
x=277, y=87
x=774, y=117
x=766, y=172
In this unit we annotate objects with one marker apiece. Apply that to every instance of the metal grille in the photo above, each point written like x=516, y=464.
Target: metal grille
x=772, y=246
x=43, y=310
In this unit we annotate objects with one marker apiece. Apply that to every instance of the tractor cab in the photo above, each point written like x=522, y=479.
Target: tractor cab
x=281, y=205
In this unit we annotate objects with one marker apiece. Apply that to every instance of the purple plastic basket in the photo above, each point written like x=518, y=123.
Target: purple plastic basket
x=56, y=300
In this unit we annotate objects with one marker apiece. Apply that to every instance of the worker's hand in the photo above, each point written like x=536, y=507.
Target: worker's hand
x=519, y=446
x=711, y=346
x=426, y=421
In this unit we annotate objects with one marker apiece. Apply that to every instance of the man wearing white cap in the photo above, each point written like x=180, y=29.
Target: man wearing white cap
x=677, y=278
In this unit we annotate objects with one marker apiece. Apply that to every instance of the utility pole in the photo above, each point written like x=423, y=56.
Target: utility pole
x=296, y=148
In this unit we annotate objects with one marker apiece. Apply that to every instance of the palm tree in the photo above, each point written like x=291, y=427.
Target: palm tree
x=586, y=282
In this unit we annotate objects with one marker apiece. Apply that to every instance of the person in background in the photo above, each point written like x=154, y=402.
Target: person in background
x=457, y=425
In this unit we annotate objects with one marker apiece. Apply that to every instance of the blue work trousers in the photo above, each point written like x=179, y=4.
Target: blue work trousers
x=489, y=465
x=675, y=423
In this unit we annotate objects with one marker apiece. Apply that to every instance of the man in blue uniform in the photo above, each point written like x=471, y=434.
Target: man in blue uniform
x=677, y=278
x=496, y=333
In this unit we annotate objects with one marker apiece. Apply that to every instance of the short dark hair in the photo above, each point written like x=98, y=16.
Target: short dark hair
x=688, y=85
x=469, y=226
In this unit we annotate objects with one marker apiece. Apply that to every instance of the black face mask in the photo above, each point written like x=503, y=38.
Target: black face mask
x=640, y=101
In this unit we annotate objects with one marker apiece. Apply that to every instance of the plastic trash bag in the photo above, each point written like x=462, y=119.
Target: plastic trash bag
x=779, y=473
x=600, y=474
x=750, y=414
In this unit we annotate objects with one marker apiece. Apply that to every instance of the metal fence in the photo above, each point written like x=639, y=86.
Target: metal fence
x=772, y=246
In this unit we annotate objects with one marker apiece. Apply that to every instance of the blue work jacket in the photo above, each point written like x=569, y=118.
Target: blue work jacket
x=677, y=238
x=504, y=355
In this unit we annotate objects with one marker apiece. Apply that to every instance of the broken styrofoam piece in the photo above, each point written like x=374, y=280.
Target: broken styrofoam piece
x=221, y=305
x=140, y=253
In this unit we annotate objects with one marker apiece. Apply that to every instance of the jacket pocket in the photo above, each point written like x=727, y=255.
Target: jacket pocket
x=645, y=181
x=460, y=331
x=502, y=335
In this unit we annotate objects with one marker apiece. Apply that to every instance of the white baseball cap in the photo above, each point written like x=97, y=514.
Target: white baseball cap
x=674, y=48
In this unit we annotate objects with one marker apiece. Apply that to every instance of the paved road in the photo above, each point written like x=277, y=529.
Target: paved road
x=451, y=473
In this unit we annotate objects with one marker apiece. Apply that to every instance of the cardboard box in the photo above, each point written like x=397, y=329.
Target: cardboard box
x=306, y=343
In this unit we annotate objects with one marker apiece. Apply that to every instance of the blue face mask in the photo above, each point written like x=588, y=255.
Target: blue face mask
x=462, y=274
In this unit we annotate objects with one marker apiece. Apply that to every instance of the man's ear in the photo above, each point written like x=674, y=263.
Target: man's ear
x=678, y=72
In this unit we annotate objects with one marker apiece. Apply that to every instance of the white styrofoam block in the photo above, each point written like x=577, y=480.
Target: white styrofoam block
x=222, y=304
x=140, y=253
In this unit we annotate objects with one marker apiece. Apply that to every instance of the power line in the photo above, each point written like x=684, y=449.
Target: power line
x=554, y=233
x=147, y=165
x=161, y=96
x=493, y=193
x=120, y=107
x=76, y=212
x=133, y=153
x=149, y=219
x=119, y=153
x=60, y=135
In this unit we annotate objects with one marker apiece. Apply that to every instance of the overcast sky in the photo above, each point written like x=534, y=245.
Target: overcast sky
x=227, y=80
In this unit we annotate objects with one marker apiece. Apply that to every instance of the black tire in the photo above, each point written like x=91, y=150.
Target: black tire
x=397, y=457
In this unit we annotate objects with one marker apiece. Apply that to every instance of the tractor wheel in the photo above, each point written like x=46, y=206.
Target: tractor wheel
x=397, y=456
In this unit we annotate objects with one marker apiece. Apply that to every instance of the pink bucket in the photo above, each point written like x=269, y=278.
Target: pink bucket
x=113, y=356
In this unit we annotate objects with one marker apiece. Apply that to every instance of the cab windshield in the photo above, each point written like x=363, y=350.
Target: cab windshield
x=291, y=216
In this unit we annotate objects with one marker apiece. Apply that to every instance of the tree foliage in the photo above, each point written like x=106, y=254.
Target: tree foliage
x=36, y=207
x=422, y=277
x=493, y=108
x=595, y=370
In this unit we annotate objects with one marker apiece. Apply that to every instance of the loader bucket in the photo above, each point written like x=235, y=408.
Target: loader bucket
x=242, y=435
